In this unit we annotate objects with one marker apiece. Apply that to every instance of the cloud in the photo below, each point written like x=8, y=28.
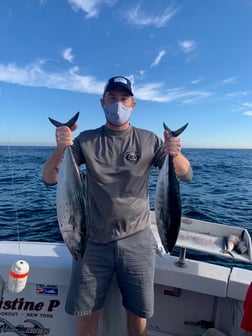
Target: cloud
x=157, y=93
x=90, y=7
x=67, y=55
x=196, y=81
x=237, y=94
x=247, y=105
x=158, y=58
x=136, y=17
x=229, y=80
x=142, y=72
x=248, y=113
x=187, y=46
x=35, y=75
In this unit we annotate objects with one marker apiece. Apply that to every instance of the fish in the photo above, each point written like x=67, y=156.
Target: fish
x=230, y=243
x=167, y=200
x=72, y=200
x=241, y=247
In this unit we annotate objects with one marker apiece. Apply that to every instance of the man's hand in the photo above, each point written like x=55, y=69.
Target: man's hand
x=173, y=145
x=64, y=136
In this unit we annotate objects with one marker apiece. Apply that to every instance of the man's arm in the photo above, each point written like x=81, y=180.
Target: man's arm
x=51, y=166
x=182, y=166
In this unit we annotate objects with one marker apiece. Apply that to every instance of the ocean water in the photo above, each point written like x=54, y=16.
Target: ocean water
x=221, y=191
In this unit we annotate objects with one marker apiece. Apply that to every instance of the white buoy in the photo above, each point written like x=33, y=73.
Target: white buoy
x=18, y=276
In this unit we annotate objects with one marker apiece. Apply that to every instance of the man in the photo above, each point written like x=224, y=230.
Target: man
x=118, y=158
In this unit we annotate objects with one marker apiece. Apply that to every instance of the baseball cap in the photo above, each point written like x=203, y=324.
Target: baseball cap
x=119, y=81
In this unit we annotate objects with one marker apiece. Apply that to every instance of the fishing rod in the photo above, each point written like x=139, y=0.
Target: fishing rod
x=19, y=271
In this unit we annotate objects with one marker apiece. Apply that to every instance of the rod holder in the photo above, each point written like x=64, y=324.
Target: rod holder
x=181, y=261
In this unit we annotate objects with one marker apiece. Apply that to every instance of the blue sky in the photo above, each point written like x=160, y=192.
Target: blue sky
x=188, y=60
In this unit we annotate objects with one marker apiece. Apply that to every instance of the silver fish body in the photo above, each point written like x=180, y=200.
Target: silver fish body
x=72, y=207
x=167, y=201
x=235, y=242
x=168, y=205
x=72, y=200
x=230, y=243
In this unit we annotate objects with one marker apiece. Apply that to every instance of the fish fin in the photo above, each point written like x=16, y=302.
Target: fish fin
x=242, y=235
x=69, y=123
x=177, y=132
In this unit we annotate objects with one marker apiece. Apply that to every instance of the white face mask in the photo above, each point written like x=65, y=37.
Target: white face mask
x=117, y=114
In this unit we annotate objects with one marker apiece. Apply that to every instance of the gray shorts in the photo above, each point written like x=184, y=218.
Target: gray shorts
x=131, y=259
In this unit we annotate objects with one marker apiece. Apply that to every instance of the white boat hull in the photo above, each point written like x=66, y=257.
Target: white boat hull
x=184, y=296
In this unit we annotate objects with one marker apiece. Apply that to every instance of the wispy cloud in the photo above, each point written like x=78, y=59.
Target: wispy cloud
x=229, y=80
x=187, y=46
x=237, y=94
x=158, y=93
x=247, y=105
x=67, y=55
x=248, y=113
x=196, y=81
x=35, y=75
x=158, y=58
x=90, y=7
x=137, y=17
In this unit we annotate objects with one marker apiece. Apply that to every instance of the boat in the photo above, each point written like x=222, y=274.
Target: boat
x=192, y=297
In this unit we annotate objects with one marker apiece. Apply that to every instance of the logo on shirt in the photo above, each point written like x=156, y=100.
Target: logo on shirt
x=132, y=156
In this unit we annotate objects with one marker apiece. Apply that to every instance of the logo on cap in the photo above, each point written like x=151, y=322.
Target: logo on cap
x=120, y=80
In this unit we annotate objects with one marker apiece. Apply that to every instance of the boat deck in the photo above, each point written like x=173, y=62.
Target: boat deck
x=208, y=237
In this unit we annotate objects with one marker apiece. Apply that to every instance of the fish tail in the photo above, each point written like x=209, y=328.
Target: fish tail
x=225, y=245
x=69, y=123
x=225, y=251
x=230, y=253
x=177, y=132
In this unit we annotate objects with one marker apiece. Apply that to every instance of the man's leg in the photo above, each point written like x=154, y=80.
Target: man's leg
x=137, y=326
x=88, y=325
x=90, y=281
x=135, y=267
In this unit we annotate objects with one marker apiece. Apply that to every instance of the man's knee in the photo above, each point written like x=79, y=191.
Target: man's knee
x=87, y=325
x=137, y=326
